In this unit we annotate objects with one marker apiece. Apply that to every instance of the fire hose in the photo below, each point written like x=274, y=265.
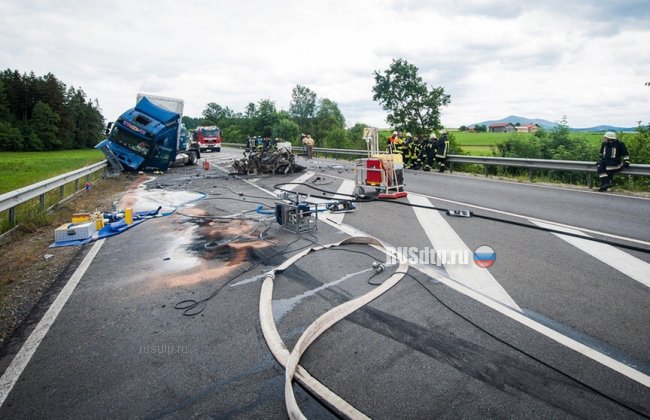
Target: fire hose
x=291, y=360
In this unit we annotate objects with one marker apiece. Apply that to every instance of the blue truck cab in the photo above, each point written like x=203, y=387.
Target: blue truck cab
x=148, y=137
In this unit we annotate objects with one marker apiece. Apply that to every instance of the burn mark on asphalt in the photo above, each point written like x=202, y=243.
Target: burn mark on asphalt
x=221, y=249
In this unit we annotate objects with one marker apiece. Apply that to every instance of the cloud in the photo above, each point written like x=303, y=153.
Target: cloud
x=584, y=59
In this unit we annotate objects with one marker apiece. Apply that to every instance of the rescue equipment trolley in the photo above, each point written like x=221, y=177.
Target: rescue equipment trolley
x=380, y=174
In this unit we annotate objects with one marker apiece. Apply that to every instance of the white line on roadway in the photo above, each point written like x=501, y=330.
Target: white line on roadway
x=511, y=313
x=556, y=336
x=627, y=264
x=302, y=178
x=28, y=349
x=521, y=216
x=347, y=187
x=444, y=237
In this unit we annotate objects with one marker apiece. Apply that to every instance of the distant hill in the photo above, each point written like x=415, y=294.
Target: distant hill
x=521, y=120
x=548, y=124
x=606, y=128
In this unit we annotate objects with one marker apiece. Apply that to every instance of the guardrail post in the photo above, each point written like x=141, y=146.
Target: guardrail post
x=61, y=192
x=76, y=184
x=530, y=174
x=41, y=201
x=485, y=170
x=12, y=217
x=590, y=182
x=451, y=167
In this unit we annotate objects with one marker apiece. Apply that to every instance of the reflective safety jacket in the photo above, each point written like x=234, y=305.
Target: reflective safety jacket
x=442, y=147
x=613, y=154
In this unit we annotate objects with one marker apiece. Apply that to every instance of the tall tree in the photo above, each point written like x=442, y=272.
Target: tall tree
x=44, y=123
x=10, y=137
x=328, y=117
x=5, y=114
x=302, y=106
x=265, y=118
x=286, y=130
x=411, y=103
x=217, y=114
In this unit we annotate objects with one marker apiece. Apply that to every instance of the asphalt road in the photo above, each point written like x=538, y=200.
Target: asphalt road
x=446, y=341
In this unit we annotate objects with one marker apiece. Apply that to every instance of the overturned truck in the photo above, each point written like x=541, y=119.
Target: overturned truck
x=269, y=161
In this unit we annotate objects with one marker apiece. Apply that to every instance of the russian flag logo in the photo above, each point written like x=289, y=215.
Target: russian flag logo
x=484, y=256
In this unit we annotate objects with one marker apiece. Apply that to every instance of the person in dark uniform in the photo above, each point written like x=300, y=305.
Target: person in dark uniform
x=415, y=161
x=442, y=147
x=613, y=157
x=428, y=153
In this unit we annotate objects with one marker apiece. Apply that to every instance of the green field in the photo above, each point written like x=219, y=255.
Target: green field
x=480, y=144
x=19, y=169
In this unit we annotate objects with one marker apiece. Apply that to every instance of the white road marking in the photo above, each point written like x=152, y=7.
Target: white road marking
x=518, y=316
x=346, y=187
x=523, y=216
x=556, y=336
x=627, y=264
x=302, y=178
x=443, y=237
x=28, y=349
x=535, y=219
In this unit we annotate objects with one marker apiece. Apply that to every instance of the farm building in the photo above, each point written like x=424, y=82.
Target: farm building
x=528, y=128
x=502, y=128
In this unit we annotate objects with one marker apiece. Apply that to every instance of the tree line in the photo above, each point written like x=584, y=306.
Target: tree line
x=307, y=113
x=42, y=113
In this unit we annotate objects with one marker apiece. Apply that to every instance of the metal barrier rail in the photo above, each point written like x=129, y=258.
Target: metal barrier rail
x=9, y=201
x=487, y=161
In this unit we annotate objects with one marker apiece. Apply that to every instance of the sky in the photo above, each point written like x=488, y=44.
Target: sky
x=587, y=60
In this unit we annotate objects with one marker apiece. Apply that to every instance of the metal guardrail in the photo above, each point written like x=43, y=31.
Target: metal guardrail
x=9, y=201
x=487, y=161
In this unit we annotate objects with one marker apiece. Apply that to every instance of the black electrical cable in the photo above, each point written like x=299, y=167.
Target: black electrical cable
x=525, y=353
x=492, y=335
x=478, y=216
x=191, y=307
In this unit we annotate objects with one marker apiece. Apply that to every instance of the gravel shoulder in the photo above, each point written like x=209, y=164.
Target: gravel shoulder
x=29, y=268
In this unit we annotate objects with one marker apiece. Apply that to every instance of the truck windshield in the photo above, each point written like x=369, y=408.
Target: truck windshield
x=210, y=133
x=131, y=142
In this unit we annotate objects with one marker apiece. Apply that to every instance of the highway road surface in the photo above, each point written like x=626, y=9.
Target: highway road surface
x=175, y=318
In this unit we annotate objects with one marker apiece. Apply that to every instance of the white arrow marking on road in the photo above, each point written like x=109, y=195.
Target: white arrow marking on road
x=627, y=264
x=302, y=178
x=347, y=187
x=443, y=237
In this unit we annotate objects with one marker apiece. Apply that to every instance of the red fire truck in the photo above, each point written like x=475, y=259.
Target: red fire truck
x=208, y=138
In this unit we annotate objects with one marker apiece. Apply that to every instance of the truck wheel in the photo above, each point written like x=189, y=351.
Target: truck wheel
x=218, y=149
x=193, y=158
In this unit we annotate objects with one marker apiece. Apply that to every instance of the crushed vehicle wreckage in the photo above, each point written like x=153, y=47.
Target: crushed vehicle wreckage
x=269, y=161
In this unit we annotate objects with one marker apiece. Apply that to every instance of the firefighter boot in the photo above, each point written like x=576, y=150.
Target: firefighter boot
x=605, y=182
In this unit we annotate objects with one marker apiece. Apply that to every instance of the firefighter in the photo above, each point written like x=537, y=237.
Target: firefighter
x=391, y=142
x=406, y=149
x=428, y=153
x=398, y=146
x=613, y=157
x=442, y=147
x=415, y=149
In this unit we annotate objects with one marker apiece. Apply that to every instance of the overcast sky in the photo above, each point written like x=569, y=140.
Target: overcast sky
x=584, y=59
